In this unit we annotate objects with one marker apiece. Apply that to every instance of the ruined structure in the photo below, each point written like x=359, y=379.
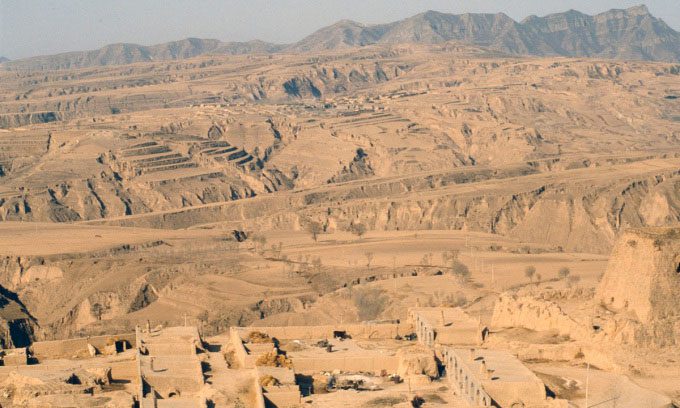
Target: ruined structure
x=169, y=367
x=488, y=378
x=511, y=310
x=445, y=325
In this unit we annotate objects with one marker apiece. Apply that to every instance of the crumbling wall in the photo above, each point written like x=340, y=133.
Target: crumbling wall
x=535, y=314
x=78, y=347
x=356, y=331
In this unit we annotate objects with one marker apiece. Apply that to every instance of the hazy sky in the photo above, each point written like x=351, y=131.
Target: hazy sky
x=37, y=27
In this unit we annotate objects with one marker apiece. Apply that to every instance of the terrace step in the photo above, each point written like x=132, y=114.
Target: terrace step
x=158, y=163
x=160, y=156
x=170, y=167
x=143, y=151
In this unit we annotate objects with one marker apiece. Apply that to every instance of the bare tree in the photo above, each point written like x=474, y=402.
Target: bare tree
x=314, y=228
x=203, y=316
x=97, y=310
x=260, y=242
x=370, y=302
x=448, y=256
x=317, y=265
x=529, y=272
x=460, y=270
x=369, y=259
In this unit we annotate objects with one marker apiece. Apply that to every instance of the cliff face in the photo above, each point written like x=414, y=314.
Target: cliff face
x=16, y=324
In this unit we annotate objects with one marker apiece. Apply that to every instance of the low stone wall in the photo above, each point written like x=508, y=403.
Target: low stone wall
x=124, y=369
x=70, y=348
x=244, y=359
x=374, y=364
x=286, y=396
x=357, y=331
x=259, y=397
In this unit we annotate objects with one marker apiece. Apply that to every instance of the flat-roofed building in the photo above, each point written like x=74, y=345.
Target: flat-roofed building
x=489, y=378
x=446, y=326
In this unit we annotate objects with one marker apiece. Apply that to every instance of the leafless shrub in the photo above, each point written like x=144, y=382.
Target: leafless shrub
x=573, y=280
x=314, y=228
x=529, y=272
x=369, y=259
x=460, y=271
x=370, y=302
x=563, y=273
x=357, y=229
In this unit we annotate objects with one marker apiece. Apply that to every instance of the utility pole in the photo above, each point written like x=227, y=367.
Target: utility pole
x=587, y=382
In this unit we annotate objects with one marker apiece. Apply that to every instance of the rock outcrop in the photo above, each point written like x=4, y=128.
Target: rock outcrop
x=16, y=324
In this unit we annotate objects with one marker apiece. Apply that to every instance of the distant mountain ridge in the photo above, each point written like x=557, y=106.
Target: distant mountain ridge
x=122, y=53
x=620, y=34
x=632, y=33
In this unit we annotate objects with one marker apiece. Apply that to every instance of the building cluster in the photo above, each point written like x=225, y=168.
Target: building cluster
x=280, y=366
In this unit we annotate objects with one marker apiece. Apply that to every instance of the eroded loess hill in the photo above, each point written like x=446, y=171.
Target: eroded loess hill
x=395, y=137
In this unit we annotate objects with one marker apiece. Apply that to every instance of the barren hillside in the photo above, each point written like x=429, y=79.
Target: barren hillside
x=330, y=184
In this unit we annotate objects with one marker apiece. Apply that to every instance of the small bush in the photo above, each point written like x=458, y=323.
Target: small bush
x=357, y=229
x=385, y=401
x=434, y=398
x=273, y=359
x=572, y=280
x=457, y=300
x=258, y=337
x=267, y=380
x=230, y=359
x=563, y=272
